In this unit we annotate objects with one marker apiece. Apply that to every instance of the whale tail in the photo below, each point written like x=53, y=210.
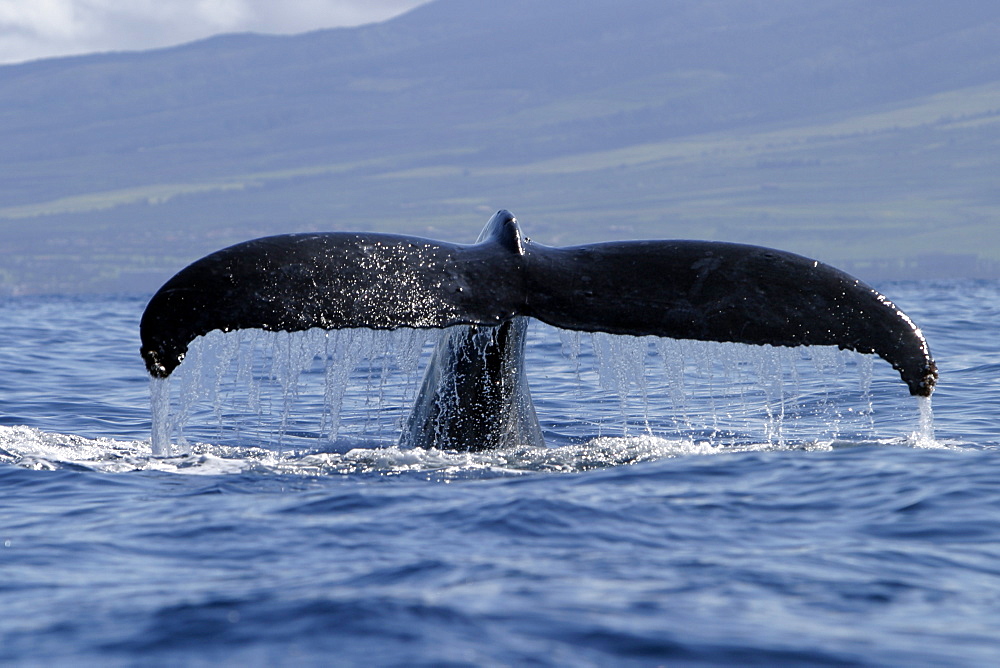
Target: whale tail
x=710, y=291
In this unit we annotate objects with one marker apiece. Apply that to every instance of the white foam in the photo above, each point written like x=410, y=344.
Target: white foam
x=32, y=448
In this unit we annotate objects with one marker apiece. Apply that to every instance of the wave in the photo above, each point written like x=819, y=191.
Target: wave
x=32, y=448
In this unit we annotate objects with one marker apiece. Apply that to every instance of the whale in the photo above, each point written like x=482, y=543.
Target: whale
x=474, y=394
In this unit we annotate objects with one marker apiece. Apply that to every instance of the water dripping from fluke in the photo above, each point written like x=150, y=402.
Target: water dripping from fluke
x=327, y=392
x=159, y=404
x=924, y=437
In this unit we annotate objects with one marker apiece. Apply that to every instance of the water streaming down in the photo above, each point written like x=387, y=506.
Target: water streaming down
x=343, y=389
x=274, y=387
x=925, y=433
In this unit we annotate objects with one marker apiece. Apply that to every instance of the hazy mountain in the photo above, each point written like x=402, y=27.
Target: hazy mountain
x=862, y=132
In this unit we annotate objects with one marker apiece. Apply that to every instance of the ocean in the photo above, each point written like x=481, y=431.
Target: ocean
x=696, y=504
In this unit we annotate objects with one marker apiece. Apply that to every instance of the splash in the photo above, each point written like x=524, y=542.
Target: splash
x=31, y=448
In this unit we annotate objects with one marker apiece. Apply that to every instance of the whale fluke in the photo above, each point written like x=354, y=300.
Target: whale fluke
x=716, y=291
x=710, y=291
x=295, y=282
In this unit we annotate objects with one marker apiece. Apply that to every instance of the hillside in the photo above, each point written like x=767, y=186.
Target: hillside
x=862, y=133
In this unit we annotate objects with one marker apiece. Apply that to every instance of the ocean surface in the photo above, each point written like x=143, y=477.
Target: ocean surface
x=696, y=504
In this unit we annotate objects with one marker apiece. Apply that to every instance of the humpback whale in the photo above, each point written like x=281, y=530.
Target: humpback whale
x=474, y=394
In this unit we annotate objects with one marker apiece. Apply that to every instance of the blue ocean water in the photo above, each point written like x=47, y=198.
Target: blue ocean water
x=698, y=504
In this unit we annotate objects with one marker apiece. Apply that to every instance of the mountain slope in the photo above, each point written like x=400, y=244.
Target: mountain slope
x=865, y=129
